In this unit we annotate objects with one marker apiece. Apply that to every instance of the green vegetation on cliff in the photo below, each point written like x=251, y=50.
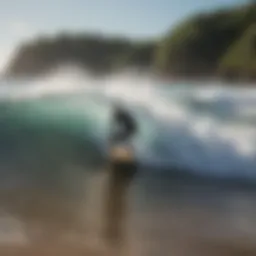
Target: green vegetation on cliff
x=204, y=45
x=197, y=46
x=241, y=56
x=91, y=52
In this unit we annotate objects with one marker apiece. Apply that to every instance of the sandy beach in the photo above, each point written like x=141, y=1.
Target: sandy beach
x=165, y=217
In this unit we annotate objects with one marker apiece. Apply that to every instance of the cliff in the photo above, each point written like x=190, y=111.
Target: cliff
x=219, y=43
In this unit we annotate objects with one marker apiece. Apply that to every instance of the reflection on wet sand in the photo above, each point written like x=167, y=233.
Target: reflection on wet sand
x=120, y=177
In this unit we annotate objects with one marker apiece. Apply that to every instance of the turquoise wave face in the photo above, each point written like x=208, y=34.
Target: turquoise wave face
x=39, y=139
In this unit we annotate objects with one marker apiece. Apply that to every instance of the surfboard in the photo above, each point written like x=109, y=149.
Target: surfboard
x=121, y=153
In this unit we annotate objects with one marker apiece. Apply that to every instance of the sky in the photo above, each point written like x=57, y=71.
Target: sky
x=22, y=20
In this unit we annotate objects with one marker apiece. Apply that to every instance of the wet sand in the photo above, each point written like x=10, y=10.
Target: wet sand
x=165, y=216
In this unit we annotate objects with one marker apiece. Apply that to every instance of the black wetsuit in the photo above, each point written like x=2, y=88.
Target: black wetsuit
x=126, y=125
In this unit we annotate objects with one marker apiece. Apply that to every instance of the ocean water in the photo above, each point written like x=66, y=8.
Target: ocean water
x=207, y=128
x=53, y=144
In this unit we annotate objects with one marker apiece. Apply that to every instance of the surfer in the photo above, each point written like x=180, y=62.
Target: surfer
x=121, y=174
x=124, y=125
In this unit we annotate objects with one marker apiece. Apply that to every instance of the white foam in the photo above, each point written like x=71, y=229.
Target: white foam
x=219, y=141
